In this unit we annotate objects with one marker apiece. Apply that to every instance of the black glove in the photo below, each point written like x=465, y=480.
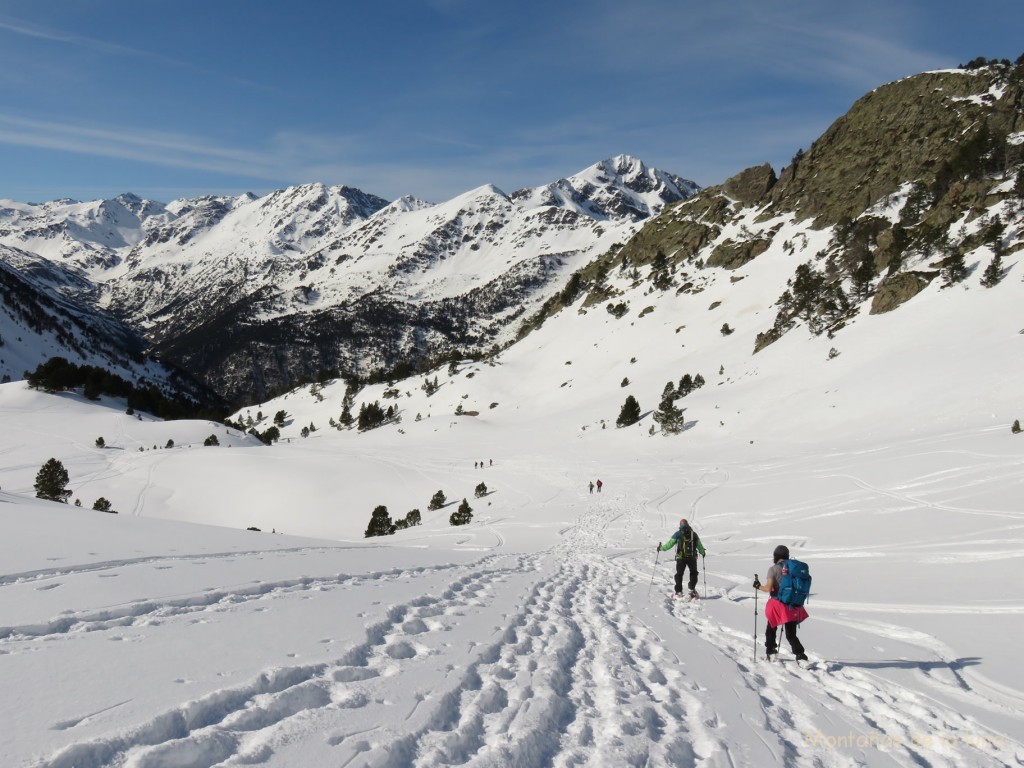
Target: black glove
x=658, y=548
x=757, y=584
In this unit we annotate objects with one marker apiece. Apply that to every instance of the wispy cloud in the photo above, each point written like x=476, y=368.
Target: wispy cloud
x=860, y=46
x=174, y=150
x=27, y=29
x=107, y=48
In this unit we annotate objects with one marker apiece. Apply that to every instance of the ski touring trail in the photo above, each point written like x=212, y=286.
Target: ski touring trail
x=562, y=657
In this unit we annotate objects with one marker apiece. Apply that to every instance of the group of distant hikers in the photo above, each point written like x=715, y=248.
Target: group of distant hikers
x=599, y=485
x=787, y=583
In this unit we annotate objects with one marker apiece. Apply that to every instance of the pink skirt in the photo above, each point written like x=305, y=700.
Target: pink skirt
x=779, y=613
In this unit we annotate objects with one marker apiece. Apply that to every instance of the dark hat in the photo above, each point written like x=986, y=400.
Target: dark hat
x=781, y=553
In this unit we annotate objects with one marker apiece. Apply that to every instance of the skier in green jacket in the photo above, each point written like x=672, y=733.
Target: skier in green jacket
x=687, y=545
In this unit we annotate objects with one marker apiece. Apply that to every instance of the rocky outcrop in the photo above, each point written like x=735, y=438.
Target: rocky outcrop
x=752, y=185
x=898, y=289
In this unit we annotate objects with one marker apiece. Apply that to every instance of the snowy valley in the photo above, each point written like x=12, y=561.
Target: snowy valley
x=233, y=613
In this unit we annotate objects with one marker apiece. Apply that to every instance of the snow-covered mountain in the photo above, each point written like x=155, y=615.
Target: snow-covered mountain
x=40, y=320
x=253, y=293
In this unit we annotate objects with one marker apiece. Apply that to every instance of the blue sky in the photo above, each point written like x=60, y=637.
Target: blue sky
x=435, y=97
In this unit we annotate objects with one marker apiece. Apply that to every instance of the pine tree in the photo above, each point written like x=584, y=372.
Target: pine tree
x=52, y=481
x=463, y=515
x=630, y=413
x=1016, y=427
x=954, y=268
x=993, y=272
x=102, y=505
x=480, y=491
x=668, y=417
x=101, y=443
x=685, y=385
x=380, y=523
x=346, y=419
x=413, y=517
x=211, y=440
x=862, y=277
x=437, y=501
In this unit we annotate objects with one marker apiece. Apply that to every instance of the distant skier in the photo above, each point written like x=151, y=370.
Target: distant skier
x=591, y=486
x=687, y=544
x=777, y=612
x=600, y=485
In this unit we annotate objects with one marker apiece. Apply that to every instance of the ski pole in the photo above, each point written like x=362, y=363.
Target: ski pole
x=756, y=590
x=705, y=567
x=654, y=571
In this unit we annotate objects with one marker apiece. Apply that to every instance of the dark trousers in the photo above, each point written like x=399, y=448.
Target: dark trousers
x=681, y=566
x=770, y=644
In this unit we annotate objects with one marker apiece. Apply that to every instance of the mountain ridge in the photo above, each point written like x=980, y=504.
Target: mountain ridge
x=258, y=271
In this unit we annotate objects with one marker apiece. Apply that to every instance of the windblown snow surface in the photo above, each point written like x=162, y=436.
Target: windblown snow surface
x=169, y=636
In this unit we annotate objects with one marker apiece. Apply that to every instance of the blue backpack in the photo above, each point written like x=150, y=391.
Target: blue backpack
x=795, y=582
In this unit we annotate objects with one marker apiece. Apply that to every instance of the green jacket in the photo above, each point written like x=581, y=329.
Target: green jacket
x=691, y=544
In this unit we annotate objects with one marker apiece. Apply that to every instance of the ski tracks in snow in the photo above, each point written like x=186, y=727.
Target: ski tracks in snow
x=546, y=660
x=829, y=714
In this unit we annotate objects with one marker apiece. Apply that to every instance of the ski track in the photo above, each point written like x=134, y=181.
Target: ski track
x=150, y=611
x=234, y=724
x=571, y=676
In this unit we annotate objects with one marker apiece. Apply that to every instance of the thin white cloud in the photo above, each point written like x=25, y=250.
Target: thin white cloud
x=861, y=45
x=26, y=29
x=174, y=150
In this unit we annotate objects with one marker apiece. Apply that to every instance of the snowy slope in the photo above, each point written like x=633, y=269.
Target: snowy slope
x=540, y=634
x=537, y=635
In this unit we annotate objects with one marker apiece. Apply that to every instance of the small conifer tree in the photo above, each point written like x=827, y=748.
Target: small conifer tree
x=630, y=412
x=993, y=272
x=52, y=482
x=101, y=443
x=380, y=523
x=685, y=385
x=1016, y=427
x=413, y=518
x=668, y=416
x=480, y=491
x=437, y=501
x=463, y=515
x=954, y=268
x=102, y=505
x=211, y=440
